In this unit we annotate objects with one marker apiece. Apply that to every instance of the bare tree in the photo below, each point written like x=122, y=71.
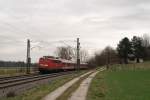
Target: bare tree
x=70, y=53
x=83, y=55
x=146, y=40
x=106, y=56
x=64, y=52
x=146, y=45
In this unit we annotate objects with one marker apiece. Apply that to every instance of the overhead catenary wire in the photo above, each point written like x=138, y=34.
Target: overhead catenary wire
x=40, y=44
x=16, y=29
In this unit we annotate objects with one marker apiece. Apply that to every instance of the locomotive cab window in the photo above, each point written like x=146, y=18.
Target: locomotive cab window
x=56, y=61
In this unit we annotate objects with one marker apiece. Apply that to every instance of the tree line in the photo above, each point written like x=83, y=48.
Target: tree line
x=127, y=49
x=135, y=49
x=15, y=64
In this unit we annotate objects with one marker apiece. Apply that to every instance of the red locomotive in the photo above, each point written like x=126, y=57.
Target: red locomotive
x=50, y=63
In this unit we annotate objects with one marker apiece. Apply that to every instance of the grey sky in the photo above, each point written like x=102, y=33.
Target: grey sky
x=98, y=23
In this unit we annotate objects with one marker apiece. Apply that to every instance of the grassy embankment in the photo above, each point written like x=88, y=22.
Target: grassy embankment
x=39, y=92
x=122, y=82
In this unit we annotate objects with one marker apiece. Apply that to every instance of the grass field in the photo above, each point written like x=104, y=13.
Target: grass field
x=10, y=71
x=127, y=82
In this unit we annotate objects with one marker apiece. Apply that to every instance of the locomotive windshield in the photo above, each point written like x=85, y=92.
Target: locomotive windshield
x=56, y=61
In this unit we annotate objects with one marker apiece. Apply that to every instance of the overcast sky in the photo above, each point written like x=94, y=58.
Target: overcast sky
x=47, y=23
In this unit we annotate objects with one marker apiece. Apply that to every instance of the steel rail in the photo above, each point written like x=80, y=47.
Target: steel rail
x=13, y=82
x=13, y=77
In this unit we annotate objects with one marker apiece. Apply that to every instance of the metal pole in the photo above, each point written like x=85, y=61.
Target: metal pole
x=78, y=54
x=28, y=57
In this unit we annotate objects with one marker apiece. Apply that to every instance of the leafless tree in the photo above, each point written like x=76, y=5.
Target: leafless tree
x=64, y=52
x=146, y=45
x=106, y=56
x=146, y=40
x=83, y=55
x=70, y=53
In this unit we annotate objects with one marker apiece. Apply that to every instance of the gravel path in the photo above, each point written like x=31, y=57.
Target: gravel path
x=56, y=93
x=81, y=92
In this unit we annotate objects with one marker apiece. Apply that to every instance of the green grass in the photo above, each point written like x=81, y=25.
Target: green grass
x=122, y=83
x=9, y=72
x=39, y=92
x=134, y=66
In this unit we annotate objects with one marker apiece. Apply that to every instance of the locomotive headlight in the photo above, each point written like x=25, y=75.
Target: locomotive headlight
x=43, y=65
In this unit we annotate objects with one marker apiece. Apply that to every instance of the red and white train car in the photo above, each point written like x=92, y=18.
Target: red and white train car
x=49, y=63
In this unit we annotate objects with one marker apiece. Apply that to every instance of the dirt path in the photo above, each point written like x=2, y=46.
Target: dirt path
x=53, y=95
x=81, y=92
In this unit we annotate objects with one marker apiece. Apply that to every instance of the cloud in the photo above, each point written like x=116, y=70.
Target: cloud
x=96, y=22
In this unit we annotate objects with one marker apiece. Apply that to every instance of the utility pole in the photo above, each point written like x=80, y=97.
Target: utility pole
x=78, y=54
x=28, y=57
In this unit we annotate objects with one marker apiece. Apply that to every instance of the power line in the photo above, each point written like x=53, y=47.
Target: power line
x=67, y=44
x=17, y=29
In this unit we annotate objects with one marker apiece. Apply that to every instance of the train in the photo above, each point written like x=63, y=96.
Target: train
x=50, y=64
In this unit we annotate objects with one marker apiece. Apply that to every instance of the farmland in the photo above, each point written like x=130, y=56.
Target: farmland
x=10, y=71
x=122, y=82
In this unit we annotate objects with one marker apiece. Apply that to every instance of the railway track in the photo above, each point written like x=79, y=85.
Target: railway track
x=15, y=77
x=16, y=85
